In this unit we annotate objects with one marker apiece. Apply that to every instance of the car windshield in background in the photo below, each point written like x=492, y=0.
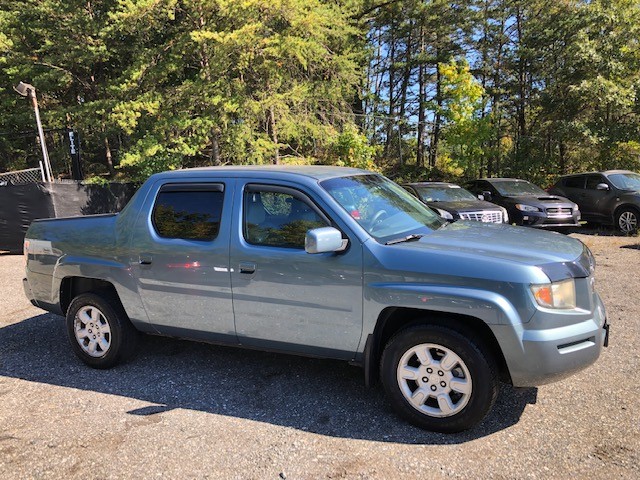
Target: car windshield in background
x=385, y=210
x=444, y=193
x=512, y=188
x=626, y=181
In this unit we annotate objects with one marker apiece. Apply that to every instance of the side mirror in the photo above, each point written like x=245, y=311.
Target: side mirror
x=323, y=240
x=486, y=196
x=480, y=196
x=602, y=186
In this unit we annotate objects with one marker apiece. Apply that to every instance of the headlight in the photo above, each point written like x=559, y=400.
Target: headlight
x=556, y=295
x=444, y=214
x=527, y=208
x=505, y=215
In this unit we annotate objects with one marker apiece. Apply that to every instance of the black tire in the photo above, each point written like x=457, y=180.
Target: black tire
x=113, y=327
x=627, y=220
x=476, y=369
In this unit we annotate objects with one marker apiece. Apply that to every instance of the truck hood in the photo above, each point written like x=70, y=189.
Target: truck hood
x=499, y=241
x=541, y=201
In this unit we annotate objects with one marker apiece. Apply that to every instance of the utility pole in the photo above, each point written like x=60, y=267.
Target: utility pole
x=27, y=90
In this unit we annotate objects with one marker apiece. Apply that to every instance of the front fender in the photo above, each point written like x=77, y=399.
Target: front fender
x=490, y=307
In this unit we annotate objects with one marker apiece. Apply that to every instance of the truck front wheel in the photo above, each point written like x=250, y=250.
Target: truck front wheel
x=99, y=330
x=438, y=378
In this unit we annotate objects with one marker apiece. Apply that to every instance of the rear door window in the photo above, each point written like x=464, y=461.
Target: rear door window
x=188, y=211
x=574, y=182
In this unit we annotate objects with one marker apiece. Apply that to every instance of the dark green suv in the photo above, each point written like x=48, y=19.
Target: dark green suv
x=609, y=198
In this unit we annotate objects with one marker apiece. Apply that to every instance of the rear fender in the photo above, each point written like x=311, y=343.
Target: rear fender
x=116, y=273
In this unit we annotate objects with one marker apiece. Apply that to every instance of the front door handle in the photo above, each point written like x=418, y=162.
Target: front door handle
x=145, y=259
x=247, y=267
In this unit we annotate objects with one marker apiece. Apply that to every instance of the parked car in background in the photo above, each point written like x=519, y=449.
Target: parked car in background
x=526, y=203
x=609, y=198
x=452, y=202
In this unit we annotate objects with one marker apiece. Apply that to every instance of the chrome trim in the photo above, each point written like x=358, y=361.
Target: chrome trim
x=483, y=216
x=559, y=212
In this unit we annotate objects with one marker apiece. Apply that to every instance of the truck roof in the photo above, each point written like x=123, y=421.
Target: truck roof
x=318, y=172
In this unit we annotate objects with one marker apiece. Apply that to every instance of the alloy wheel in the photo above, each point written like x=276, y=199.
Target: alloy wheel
x=92, y=331
x=434, y=380
x=628, y=221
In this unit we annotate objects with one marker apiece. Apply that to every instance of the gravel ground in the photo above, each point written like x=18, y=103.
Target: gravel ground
x=189, y=410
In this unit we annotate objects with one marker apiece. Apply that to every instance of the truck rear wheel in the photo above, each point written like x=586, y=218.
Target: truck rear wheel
x=439, y=379
x=99, y=330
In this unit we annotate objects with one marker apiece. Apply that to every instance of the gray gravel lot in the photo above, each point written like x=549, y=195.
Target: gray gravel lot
x=189, y=410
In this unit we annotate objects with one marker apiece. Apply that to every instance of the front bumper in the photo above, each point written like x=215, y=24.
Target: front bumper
x=543, y=220
x=537, y=357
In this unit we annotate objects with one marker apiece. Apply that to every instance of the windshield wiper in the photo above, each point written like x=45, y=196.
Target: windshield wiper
x=408, y=238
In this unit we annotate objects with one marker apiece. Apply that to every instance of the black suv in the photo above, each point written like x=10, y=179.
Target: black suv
x=453, y=202
x=526, y=203
x=610, y=198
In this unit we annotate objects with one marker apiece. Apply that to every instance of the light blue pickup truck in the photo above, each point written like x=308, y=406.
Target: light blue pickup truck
x=330, y=262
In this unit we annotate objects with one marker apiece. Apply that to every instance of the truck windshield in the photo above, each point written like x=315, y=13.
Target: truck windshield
x=385, y=210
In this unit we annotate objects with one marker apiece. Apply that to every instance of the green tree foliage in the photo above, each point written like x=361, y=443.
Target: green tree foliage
x=415, y=88
x=167, y=84
x=466, y=130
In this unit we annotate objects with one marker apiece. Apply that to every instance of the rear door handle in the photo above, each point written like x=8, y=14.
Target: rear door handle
x=247, y=267
x=145, y=259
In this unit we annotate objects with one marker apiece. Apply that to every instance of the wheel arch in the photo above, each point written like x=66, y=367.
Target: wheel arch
x=71, y=287
x=393, y=319
x=624, y=206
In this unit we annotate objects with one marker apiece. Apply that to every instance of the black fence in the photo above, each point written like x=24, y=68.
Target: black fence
x=21, y=204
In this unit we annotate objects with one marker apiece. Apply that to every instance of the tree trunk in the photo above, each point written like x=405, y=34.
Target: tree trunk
x=214, y=158
x=392, y=109
x=377, y=80
x=422, y=99
x=273, y=133
x=107, y=150
x=522, y=92
x=406, y=76
x=435, y=139
x=497, y=113
x=484, y=69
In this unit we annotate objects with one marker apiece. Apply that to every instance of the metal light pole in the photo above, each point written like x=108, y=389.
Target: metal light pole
x=27, y=90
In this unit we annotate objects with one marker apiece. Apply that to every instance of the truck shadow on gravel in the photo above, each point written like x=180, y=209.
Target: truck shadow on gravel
x=320, y=396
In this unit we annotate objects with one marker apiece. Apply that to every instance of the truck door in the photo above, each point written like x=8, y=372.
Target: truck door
x=283, y=297
x=181, y=259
